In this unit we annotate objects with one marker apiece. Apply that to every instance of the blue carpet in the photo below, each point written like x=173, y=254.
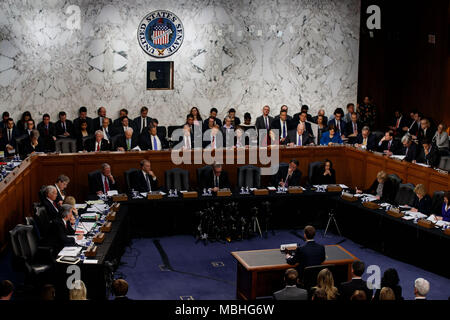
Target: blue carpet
x=199, y=279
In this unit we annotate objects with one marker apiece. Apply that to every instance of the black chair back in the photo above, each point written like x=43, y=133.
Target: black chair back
x=396, y=183
x=24, y=243
x=309, y=276
x=162, y=131
x=282, y=171
x=42, y=222
x=436, y=202
x=444, y=163
x=249, y=176
x=31, y=222
x=313, y=168
x=83, y=140
x=202, y=174
x=177, y=179
x=41, y=194
x=171, y=129
x=129, y=175
x=113, y=141
x=66, y=145
x=405, y=194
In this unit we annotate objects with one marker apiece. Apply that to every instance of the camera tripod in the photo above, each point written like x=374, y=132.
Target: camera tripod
x=332, y=218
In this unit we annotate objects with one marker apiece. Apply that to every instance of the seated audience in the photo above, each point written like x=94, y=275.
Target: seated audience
x=386, y=294
x=48, y=133
x=352, y=128
x=319, y=295
x=399, y=122
x=338, y=123
x=48, y=293
x=120, y=289
x=247, y=121
x=97, y=123
x=151, y=140
x=217, y=179
x=64, y=128
x=302, y=118
x=325, y=281
x=291, y=291
x=107, y=129
x=422, y=201
x=143, y=121
x=215, y=121
x=97, y=143
x=390, y=280
x=441, y=140
x=382, y=188
x=409, y=148
x=128, y=141
x=445, y=214
x=290, y=177
x=82, y=117
x=428, y=154
x=366, y=140
x=326, y=174
x=125, y=124
x=81, y=134
x=22, y=124
x=118, y=122
x=103, y=181
x=5, y=117
x=388, y=145
x=421, y=289
x=61, y=184
x=30, y=128
x=347, y=289
x=425, y=131
x=78, y=292
x=350, y=111
x=310, y=254
x=145, y=180
x=330, y=137
x=242, y=139
x=235, y=121
x=6, y=290
x=321, y=112
x=359, y=295
x=299, y=137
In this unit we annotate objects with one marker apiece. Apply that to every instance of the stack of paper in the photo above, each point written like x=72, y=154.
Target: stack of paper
x=80, y=205
x=416, y=215
x=70, y=251
x=398, y=157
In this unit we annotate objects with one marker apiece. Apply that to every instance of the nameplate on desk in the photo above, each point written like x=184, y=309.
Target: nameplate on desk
x=447, y=231
x=190, y=194
x=115, y=207
x=111, y=216
x=295, y=190
x=91, y=251
x=224, y=193
x=349, y=197
x=334, y=188
x=260, y=192
x=371, y=205
x=106, y=227
x=395, y=213
x=99, y=238
x=120, y=198
x=154, y=196
x=425, y=224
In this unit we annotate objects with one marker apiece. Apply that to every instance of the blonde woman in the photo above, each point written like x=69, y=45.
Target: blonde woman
x=422, y=201
x=325, y=281
x=78, y=292
x=387, y=293
x=71, y=200
x=382, y=187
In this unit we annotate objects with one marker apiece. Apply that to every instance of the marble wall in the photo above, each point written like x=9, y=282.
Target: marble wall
x=236, y=53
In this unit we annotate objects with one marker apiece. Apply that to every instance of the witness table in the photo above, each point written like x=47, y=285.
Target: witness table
x=261, y=272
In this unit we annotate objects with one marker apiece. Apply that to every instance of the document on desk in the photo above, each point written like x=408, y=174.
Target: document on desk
x=407, y=218
x=423, y=165
x=398, y=157
x=416, y=215
x=80, y=205
x=70, y=251
x=343, y=186
x=91, y=202
x=112, y=193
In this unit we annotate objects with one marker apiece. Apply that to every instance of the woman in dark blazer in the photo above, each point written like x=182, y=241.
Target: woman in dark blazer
x=382, y=187
x=445, y=214
x=326, y=173
x=422, y=201
x=391, y=280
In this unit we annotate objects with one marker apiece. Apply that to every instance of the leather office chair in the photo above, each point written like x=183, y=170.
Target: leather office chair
x=128, y=175
x=249, y=176
x=177, y=179
x=405, y=194
x=282, y=170
x=396, y=182
x=42, y=222
x=113, y=141
x=309, y=275
x=91, y=181
x=31, y=222
x=160, y=130
x=171, y=129
x=41, y=194
x=313, y=168
x=28, y=256
x=83, y=140
x=444, y=164
x=66, y=145
x=378, y=135
x=201, y=174
x=436, y=202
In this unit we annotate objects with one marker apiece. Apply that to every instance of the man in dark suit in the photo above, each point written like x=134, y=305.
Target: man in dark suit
x=409, y=149
x=352, y=128
x=103, y=181
x=212, y=114
x=321, y=112
x=283, y=108
x=122, y=113
x=61, y=230
x=61, y=184
x=151, y=140
x=82, y=114
x=107, y=129
x=388, y=145
x=415, y=125
x=64, y=127
x=399, y=122
x=145, y=180
x=338, y=122
x=48, y=133
x=308, y=117
x=263, y=122
x=98, y=122
x=141, y=123
x=302, y=118
x=366, y=140
x=291, y=291
x=215, y=179
x=298, y=137
x=311, y=254
x=30, y=127
x=282, y=124
x=98, y=143
x=425, y=131
x=215, y=140
x=128, y=141
x=186, y=141
x=5, y=117
x=119, y=289
x=290, y=176
x=10, y=133
x=50, y=203
x=347, y=289
x=429, y=154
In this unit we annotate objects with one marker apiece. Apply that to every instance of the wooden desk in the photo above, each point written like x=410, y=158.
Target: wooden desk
x=260, y=272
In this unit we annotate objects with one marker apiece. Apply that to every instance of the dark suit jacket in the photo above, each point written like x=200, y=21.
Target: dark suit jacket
x=414, y=130
x=321, y=179
x=236, y=122
x=410, y=153
x=349, y=128
x=90, y=125
x=47, y=136
x=52, y=213
x=89, y=145
x=347, y=289
x=342, y=124
x=396, y=147
x=122, y=142
x=208, y=180
x=311, y=254
x=27, y=149
x=260, y=122
x=423, y=205
x=145, y=141
x=371, y=142
x=138, y=123
x=431, y=159
x=97, y=184
x=292, y=138
x=139, y=183
x=291, y=293
x=429, y=135
x=59, y=130
x=205, y=124
x=12, y=142
x=294, y=178
x=388, y=190
x=96, y=125
x=58, y=235
x=325, y=119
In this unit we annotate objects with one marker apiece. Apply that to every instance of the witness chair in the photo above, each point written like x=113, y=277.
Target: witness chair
x=129, y=177
x=405, y=195
x=177, y=179
x=249, y=176
x=313, y=172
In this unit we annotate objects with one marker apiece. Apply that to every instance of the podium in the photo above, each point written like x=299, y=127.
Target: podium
x=261, y=272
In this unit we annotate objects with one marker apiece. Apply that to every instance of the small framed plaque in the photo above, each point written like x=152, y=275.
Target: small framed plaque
x=159, y=75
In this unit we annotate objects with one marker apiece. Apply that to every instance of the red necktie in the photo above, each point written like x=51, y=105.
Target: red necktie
x=106, y=185
x=398, y=123
x=98, y=146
